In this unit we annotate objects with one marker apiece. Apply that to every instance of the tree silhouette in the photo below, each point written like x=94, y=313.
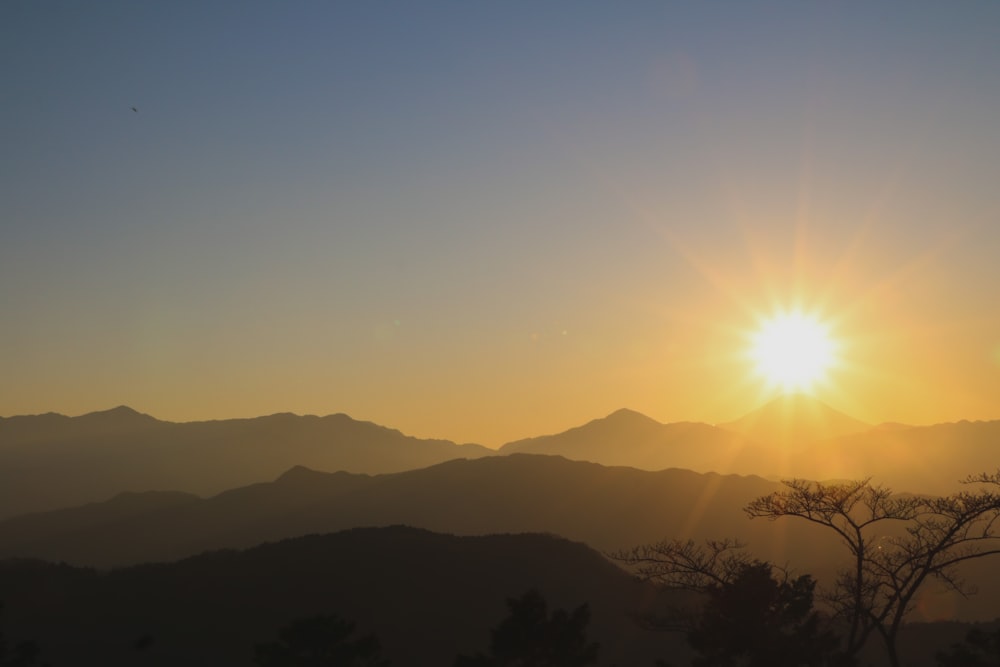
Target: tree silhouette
x=681, y=565
x=756, y=620
x=21, y=654
x=739, y=612
x=530, y=637
x=896, y=544
x=980, y=649
x=320, y=641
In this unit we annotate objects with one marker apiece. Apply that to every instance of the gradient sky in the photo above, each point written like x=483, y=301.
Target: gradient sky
x=485, y=221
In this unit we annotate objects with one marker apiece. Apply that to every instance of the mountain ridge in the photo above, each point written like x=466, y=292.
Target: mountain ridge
x=125, y=410
x=121, y=449
x=41, y=457
x=582, y=501
x=607, y=508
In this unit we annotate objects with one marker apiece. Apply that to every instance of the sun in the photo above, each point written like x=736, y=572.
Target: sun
x=793, y=351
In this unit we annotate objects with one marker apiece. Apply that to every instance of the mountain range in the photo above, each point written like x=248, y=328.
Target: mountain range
x=162, y=510
x=789, y=437
x=608, y=508
x=51, y=461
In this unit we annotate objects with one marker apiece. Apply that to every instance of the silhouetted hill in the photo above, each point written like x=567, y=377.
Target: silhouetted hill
x=426, y=596
x=50, y=461
x=81, y=521
x=32, y=429
x=608, y=508
x=794, y=420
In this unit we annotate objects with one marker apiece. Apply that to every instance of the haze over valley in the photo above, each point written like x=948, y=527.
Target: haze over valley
x=122, y=450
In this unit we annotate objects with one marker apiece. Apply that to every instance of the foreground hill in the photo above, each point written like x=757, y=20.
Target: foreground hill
x=426, y=596
x=50, y=461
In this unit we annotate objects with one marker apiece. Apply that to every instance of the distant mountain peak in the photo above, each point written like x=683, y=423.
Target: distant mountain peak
x=121, y=415
x=629, y=438
x=619, y=419
x=117, y=411
x=298, y=473
x=807, y=404
x=795, y=417
x=121, y=411
x=627, y=413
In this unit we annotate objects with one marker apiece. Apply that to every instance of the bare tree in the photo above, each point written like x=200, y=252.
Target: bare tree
x=857, y=511
x=896, y=544
x=684, y=566
x=742, y=611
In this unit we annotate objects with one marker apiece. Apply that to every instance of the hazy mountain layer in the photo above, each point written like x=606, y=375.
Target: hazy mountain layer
x=628, y=438
x=795, y=420
x=427, y=597
x=790, y=437
x=50, y=461
x=608, y=508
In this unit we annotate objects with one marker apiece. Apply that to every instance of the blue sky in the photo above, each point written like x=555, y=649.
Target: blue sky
x=487, y=220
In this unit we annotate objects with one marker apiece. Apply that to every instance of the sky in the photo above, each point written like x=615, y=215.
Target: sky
x=488, y=221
